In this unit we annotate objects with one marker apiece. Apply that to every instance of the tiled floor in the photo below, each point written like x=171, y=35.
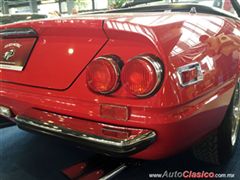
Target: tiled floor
x=28, y=156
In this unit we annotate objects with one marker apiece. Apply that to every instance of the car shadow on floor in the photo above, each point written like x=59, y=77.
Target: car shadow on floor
x=5, y=123
x=29, y=156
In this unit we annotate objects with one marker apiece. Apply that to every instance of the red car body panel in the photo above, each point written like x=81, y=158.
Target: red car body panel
x=54, y=80
x=85, y=38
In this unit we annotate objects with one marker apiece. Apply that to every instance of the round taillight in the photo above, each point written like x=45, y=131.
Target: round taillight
x=103, y=75
x=142, y=75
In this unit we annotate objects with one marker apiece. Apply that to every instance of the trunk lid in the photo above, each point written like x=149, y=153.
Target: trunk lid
x=49, y=53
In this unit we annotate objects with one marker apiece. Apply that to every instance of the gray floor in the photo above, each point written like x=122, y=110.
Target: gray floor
x=28, y=156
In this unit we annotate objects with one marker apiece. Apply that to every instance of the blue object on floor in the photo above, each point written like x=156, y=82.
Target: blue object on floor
x=28, y=156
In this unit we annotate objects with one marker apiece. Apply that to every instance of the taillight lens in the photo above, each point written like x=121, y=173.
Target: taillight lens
x=103, y=75
x=142, y=75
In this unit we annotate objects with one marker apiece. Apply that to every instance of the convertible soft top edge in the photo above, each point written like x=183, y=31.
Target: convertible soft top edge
x=177, y=7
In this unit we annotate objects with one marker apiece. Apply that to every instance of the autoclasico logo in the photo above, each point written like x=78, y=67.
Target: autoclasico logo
x=203, y=174
x=191, y=174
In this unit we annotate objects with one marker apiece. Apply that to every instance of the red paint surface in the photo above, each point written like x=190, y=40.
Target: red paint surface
x=180, y=116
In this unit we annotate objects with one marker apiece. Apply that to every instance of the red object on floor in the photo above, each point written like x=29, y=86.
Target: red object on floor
x=94, y=175
x=75, y=171
x=93, y=169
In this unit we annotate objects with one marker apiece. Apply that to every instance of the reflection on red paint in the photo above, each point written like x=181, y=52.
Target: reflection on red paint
x=223, y=44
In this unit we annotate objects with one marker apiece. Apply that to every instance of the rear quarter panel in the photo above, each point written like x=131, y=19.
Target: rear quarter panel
x=175, y=39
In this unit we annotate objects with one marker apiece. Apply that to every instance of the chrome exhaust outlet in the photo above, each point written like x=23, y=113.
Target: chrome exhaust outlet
x=114, y=173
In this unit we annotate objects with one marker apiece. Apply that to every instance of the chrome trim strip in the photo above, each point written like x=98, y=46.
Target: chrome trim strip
x=17, y=33
x=5, y=111
x=11, y=67
x=158, y=67
x=187, y=68
x=116, y=66
x=114, y=173
x=82, y=136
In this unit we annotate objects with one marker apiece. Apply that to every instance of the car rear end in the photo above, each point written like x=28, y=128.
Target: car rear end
x=101, y=83
x=41, y=65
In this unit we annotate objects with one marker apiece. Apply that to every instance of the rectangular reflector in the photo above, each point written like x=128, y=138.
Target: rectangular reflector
x=114, y=112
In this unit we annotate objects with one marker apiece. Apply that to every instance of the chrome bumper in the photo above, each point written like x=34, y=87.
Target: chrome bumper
x=5, y=112
x=105, y=145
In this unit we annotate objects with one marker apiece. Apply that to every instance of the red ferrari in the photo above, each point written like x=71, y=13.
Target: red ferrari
x=144, y=81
